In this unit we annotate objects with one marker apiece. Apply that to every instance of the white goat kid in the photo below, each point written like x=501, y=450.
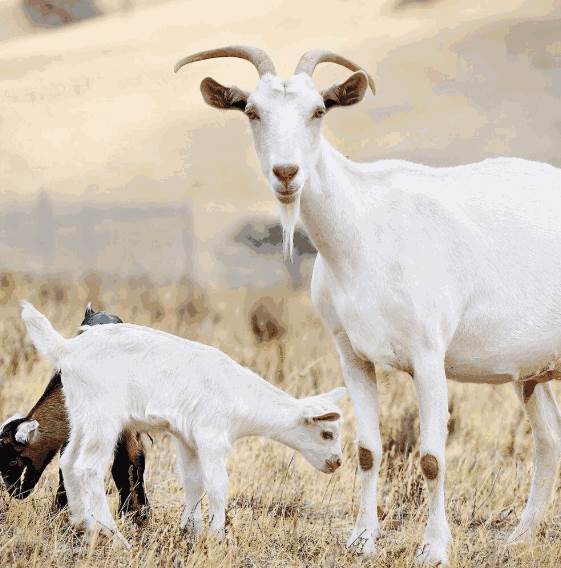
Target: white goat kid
x=118, y=375
x=439, y=272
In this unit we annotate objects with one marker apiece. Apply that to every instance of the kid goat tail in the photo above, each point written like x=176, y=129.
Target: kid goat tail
x=42, y=334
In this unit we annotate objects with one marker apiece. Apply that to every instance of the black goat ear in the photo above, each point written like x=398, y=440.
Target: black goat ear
x=89, y=312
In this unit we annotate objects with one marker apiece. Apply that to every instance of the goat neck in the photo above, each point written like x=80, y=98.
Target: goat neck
x=263, y=409
x=330, y=206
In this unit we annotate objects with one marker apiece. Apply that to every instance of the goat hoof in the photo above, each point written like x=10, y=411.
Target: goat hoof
x=119, y=539
x=522, y=534
x=218, y=534
x=79, y=524
x=362, y=541
x=432, y=554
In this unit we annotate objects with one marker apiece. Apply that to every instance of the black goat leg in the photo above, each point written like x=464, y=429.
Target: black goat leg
x=128, y=474
x=61, y=500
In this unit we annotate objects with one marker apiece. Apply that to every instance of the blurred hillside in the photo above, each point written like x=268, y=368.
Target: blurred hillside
x=93, y=117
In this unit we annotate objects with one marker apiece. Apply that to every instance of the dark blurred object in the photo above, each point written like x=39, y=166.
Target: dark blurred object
x=53, y=13
x=407, y=3
x=267, y=238
x=7, y=287
x=266, y=320
x=264, y=237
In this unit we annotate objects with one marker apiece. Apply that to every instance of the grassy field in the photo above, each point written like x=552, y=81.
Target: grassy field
x=281, y=512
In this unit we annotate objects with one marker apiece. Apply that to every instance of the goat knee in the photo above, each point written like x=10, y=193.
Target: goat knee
x=429, y=466
x=365, y=458
x=369, y=454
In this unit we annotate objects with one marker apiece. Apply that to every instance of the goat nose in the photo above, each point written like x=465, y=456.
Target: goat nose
x=333, y=463
x=285, y=172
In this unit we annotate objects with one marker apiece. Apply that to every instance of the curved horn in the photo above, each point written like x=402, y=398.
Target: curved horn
x=258, y=57
x=314, y=57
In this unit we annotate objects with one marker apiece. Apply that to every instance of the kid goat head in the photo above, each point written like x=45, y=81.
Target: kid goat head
x=317, y=438
x=285, y=117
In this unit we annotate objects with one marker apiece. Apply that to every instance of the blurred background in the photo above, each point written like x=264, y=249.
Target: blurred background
x=111, y=164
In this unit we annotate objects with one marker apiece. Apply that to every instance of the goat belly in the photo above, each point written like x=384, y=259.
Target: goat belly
x=501, y=370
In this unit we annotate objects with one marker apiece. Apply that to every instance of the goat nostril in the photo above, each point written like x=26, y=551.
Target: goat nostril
x=333, y=463
x=285, y=172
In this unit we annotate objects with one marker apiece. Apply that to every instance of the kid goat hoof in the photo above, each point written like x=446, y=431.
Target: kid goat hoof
x=363, y=543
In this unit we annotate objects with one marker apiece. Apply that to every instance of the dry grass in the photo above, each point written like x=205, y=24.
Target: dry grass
x=281, y=512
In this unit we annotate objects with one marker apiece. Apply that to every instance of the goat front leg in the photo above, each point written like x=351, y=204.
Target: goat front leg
x=70, y=483
x=128, y=475
x=189, y=471
x=215, y=481
x=432, y=396
x=61, y=499
x=541, y=408
x=360, y=378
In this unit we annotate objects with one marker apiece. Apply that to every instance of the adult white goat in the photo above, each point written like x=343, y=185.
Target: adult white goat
x=439, y=272
x=119, y=375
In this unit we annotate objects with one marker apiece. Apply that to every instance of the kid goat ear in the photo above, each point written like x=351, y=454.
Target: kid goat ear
x=329, y=417
x=311, y=417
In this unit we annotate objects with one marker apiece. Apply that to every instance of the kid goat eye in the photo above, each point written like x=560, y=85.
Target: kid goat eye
x=327, y=435
x=318, y=113
x=252, y=114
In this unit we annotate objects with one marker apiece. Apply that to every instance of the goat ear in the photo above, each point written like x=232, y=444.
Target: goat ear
x=27, y=432
x=219, y=96
x=329, y=417
x=336, y=395
x=348, y=93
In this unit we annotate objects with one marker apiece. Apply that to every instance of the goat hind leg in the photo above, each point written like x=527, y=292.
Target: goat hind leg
x=543, y=413
x=71, y=484
x=90, y=467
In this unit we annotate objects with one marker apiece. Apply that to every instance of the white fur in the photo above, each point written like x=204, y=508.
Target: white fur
x=441, y=272
x=122, y=375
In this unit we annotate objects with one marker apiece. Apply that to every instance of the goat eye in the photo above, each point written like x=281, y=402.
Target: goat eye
x=318, y=113
x=251, y=114
x=327, y=435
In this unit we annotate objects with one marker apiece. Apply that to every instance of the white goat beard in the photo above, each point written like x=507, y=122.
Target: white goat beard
x=289, y=217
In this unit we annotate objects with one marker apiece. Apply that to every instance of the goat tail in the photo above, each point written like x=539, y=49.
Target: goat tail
x=42, y=334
